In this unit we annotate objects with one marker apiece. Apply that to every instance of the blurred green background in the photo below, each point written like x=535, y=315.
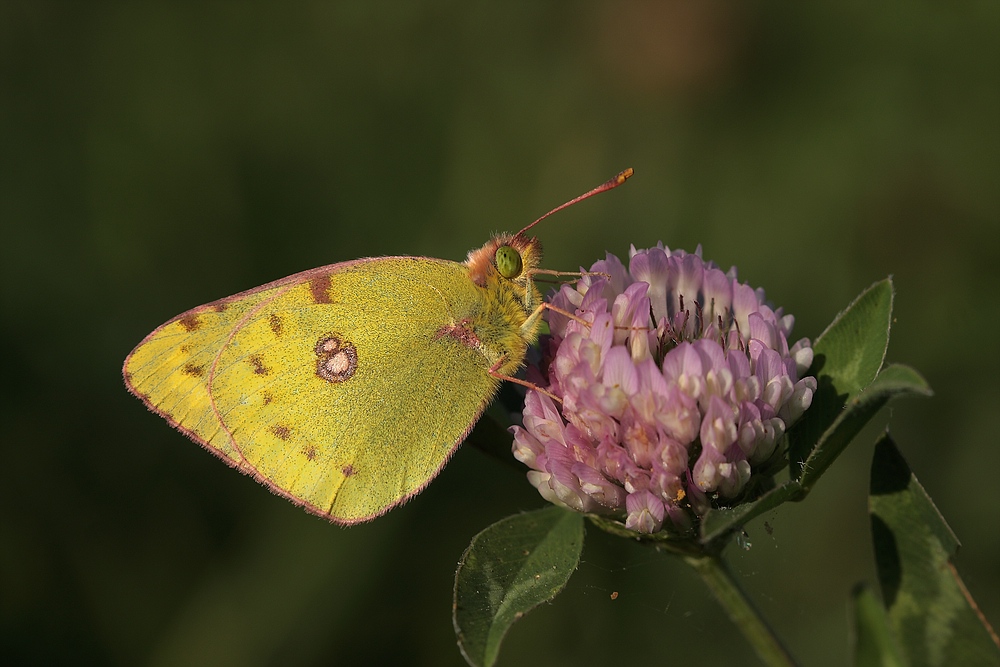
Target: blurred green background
x=157, y=156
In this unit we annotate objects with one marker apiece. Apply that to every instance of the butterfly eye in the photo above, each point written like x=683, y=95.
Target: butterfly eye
x=508, y=262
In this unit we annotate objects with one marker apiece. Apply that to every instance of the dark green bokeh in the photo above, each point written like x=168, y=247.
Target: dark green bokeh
x=154, y=157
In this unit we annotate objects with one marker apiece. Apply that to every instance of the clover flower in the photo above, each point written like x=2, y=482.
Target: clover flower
x=676, y=384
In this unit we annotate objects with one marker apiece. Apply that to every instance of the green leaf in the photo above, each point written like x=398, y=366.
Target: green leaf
x=874, y=643
x=847, y=357
x=894, y=380
x=510, y=568
x=932, y=613
x=852, y=348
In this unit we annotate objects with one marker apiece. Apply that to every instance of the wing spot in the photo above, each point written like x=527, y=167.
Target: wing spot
x=281, y=431
x=220, y=307
x=193, y=370
x=258, y=365
x=462, y=332
x=190, y=322
x=267, y=398
x=310, y=452
x=336, y=358
x=319, y=287
x=276, y=325
x=348, y=470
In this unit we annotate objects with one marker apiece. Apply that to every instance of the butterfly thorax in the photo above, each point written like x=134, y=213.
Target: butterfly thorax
x=508, y=322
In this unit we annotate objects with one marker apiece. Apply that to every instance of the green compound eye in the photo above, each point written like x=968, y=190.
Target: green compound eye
x=508, y=262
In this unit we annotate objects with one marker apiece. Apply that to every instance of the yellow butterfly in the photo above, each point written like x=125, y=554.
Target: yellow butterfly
x=347, y=388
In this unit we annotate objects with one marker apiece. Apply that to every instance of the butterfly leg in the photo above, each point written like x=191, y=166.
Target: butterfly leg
x=495, y=372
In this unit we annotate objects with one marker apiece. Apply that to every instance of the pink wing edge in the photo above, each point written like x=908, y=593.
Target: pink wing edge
x=244, y=466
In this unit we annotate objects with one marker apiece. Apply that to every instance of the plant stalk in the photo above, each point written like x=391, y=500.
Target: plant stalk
x=719, y=578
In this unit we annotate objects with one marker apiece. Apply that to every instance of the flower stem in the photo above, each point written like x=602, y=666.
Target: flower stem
x=719, y=578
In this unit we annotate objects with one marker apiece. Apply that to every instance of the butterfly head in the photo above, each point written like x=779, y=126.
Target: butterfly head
x=507, y=259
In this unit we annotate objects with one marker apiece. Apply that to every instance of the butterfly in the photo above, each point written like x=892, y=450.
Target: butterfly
x=347, y=388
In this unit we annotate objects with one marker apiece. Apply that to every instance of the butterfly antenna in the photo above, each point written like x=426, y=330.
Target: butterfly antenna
x=603, y=187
